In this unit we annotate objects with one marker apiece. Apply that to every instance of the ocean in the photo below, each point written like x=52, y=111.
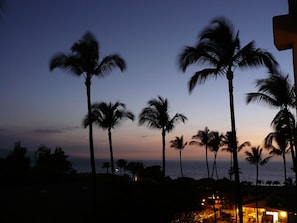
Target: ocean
x=272, y=171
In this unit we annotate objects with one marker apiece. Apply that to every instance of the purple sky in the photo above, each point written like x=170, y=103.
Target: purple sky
x=43, y=107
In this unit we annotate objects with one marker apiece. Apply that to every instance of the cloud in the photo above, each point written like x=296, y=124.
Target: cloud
x=55, y=131
x=47, y=131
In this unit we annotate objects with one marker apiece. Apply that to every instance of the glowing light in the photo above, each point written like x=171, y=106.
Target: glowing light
x=283, y=214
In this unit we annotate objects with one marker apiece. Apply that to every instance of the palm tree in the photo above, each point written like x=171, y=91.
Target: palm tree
x=107, y=117
x=226, y=143
x=277, y=91
x=219, y=47
x=254, y=157
x=156, y=116
x=278, y=144
x=179, y=144
x=204, y=137
x=136, y=169
x=83, y=60
x=122, y=164
x=106, y=165
x=214, y=146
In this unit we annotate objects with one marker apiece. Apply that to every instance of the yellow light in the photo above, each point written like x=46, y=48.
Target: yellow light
x=283, y=214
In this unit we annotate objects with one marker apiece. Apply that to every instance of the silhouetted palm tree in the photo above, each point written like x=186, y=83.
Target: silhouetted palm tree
x=156, y=116
x=219, y=47
x=254, y=157
x=179, y=144
x=107, y=117
x=122, y=164
x=83, y=60
x=106, y=165
x=214, y=145
x=226, y=141
x=204, y=137
x=277, y=91
x=136, y=168
x=278, y=144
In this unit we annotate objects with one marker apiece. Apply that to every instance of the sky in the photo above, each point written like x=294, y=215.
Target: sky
x=43, y=107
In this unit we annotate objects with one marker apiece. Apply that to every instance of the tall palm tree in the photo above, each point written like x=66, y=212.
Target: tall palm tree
x=203, y=137
x=277, y=91
x=179, y=144
x=83, y=60
x=254, y=157
x=214, y=145
x=107, y=117
x=278, y=144
x=219, y=47
x=156, y=116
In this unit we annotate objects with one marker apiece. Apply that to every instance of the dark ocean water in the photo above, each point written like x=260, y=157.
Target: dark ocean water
x=273, y=170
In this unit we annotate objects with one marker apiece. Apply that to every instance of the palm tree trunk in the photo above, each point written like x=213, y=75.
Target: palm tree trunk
x=92, y=156
x=285, y=166
x=234, y=146
x=214, y=167
x=180, y=164
x=163, y=153
x=111, y=152
x=256, y=196
x=206, y=158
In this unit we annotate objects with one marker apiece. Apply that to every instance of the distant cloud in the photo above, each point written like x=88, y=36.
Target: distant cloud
x=47, y=131
x=145, y=136
x=55, y=131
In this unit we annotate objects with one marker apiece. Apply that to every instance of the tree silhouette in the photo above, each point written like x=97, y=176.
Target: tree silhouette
x=277, y=91
x=51, y=164
x=156, y=116
x=106, y=165
x=278, y=144
x=108, y=116
x=204, y=137
x=83, y=60
x=17, y=161
x=135, y=168
x=226, y=141
x=219, y=47
x=214, y=146
x=122, y=165
x=179, y=144
x=254, y=157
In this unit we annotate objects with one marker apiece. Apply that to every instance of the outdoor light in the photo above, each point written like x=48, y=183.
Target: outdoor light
x=283, y=214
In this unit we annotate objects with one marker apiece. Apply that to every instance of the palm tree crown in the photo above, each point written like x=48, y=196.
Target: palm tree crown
x=219, y=46
x=276, y=91
x=109, y=115
x=156, y=116
x=84, y=59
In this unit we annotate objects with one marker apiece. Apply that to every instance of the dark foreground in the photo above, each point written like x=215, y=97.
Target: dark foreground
x=118, y=200
x=68, y=199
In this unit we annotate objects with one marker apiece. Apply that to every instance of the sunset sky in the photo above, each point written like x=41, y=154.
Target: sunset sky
x=42, y=107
